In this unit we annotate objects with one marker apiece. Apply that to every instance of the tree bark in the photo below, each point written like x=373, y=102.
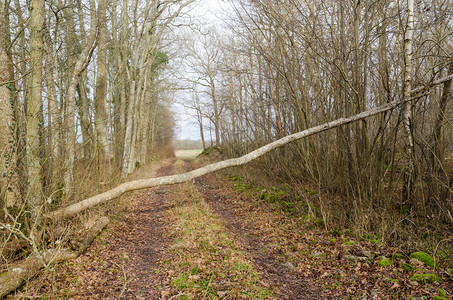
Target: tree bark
x=128, y=133
x=34, y=106
x=101, y=87
x=407, y=107
x=437, y=154
x=9, y=194
x=81, y=63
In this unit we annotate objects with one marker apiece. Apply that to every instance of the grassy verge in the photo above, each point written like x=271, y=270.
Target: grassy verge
x=210, y=264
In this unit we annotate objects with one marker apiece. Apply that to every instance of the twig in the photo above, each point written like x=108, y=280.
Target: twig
x=125, y=281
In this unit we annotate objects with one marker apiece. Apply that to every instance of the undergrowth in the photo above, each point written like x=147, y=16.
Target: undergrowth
x=304, y=203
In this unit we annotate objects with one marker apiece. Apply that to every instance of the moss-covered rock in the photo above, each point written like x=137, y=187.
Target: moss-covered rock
x=424, y=258
x=384, y=261
x=397, y=256
x=406, y=267
x=425, y=278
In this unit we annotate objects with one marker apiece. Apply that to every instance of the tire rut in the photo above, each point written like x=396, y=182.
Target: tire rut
x=125, y=261
x=289, y=283
x=146, y=242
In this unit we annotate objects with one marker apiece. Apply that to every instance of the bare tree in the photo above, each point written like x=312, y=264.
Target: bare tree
x=9, y=193
x=34, y=103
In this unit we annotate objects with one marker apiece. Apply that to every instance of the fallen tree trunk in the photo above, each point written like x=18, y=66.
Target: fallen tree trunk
x=22, y=272
x=173, y=179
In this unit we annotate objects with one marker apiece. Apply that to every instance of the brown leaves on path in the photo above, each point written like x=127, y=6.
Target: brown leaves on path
x=304, y=261
x=205, y=239
x=124, y=262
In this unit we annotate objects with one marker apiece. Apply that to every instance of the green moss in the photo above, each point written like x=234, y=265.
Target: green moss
x=391, y=280
x=406, y=267
x=272, y=198
x=419, y=270
x=333, y=240
x=334, y=232
x=208, y=151
x=376, y=242
x=347, y=232
x=370, y=237
x=350, y=243
x=397, y=256
x=439, y=298
x=320, y=222
x=425, y=278
x=442, y=293
x=384, y=261
x=234, y=178
x=288, y=206
x=424, y=258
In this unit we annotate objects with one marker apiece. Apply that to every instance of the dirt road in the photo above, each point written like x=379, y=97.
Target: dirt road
x=207, y=239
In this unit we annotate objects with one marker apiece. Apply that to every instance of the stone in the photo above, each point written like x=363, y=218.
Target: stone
x=289, y=265
x=366, y=253
x=317, y=254
x=384, y=261
x=424, y=257
x=353, y=257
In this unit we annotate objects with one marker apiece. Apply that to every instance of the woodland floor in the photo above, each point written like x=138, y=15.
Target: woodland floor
x=206, y=239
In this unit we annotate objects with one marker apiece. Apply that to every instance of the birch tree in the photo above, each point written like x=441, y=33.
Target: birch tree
x=407, y=108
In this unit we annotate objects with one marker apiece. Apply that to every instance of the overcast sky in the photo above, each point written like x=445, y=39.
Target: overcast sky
x=210, y=12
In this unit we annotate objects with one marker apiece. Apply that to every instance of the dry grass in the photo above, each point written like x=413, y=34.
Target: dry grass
x=187, y=154
x=211, y=264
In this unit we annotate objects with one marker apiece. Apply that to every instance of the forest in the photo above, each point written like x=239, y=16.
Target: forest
x=325, y=169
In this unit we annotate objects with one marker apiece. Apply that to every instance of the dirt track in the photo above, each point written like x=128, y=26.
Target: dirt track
x=137, y=257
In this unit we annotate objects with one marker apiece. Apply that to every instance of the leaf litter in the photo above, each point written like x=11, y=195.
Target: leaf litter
x=207, y=240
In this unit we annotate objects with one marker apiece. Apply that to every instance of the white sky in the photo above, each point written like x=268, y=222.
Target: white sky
x=209, y=12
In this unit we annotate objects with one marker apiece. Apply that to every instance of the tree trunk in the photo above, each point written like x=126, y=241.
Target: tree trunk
x=128, y=133
x=81, y=63
x=83, y=105
x=407, y=107
x=34, y=104
x=437, y=154
x=101, y=87
x=9, y=193
x=54, y=120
